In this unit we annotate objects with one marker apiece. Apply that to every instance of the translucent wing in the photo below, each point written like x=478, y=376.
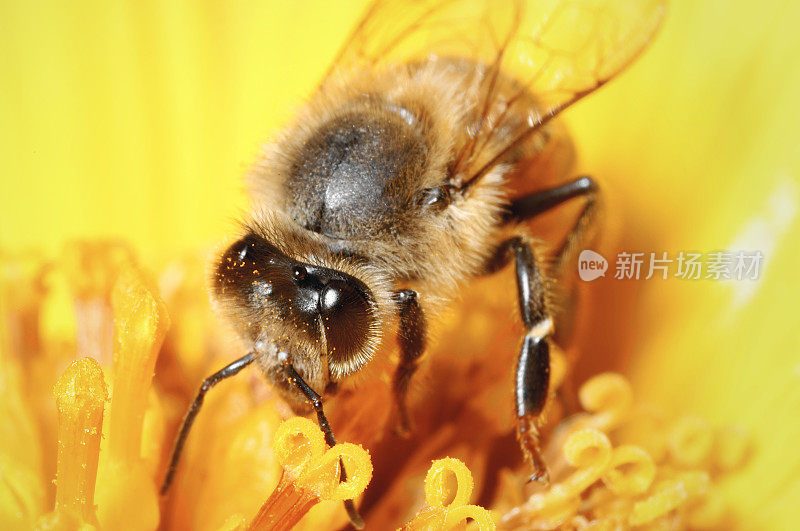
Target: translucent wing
x=556, y=50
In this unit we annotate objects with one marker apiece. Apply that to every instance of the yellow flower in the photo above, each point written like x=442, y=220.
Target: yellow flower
x=135, y=121
x=709, y=162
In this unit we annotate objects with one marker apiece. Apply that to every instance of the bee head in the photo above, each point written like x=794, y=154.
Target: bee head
x=307, y=309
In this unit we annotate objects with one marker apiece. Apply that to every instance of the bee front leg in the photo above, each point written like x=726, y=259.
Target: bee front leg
x=412, y=338
x=532, y=378
x=194, y=409
x=312, y=396
x=316, y=402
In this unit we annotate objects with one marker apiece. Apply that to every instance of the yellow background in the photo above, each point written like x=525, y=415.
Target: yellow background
x=138, y=119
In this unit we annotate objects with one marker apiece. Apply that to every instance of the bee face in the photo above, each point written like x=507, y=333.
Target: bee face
x=271, y=296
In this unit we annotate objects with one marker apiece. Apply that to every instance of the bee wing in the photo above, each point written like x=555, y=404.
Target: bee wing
x=557, y=50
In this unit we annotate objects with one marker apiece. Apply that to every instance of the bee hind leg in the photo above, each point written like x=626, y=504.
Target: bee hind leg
x=536, y=203
x=532, y=377
x=564, y=258
x=412, y=338
x=531, y=389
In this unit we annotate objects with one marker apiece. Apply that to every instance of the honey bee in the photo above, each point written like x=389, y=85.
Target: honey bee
x=409, y=172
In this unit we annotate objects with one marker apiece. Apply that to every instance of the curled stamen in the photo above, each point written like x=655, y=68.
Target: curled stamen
x=440, y=515
x=667, y=495
x=609, y=397
x=323, y=474
x=589, y=451
x=436, y=491
x=630, y=472
x=461, y=514
x=311, y=474
x=298, y=441
x=656, y=472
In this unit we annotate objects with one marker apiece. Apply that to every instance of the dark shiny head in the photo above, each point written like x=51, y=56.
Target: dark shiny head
x=277, y=298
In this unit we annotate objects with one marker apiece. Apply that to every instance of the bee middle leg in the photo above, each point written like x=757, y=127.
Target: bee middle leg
x=532, y=377
x=412, y=338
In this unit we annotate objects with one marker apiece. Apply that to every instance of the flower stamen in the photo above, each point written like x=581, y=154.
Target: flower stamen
x=440, y=515
x=310, y=474
x=80, y=396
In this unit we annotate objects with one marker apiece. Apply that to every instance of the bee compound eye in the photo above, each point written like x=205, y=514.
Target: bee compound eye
x=333, y=296
x=347, y=316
